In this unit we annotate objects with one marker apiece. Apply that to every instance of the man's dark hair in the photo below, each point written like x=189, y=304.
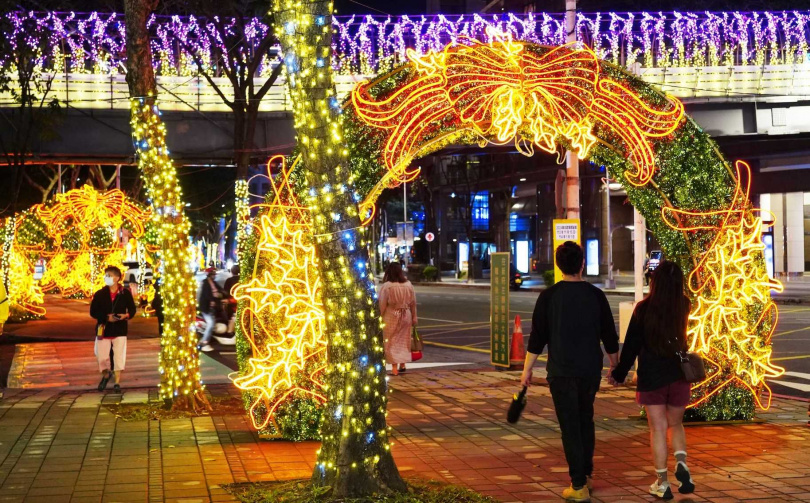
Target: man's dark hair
x=116, y=271
x=569, y=257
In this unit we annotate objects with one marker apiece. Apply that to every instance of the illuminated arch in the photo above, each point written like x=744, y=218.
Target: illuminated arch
x=557, y=98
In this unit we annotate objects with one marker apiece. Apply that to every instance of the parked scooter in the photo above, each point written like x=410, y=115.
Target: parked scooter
x=515, y=278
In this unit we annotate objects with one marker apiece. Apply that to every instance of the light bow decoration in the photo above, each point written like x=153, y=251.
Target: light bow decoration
x=282, y=316
x=733, y=316
x=564, y=97
x=75, y=235
x=505, y=92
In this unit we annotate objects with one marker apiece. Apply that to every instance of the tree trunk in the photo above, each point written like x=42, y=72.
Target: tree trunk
x=179, y=359
x=354, y=458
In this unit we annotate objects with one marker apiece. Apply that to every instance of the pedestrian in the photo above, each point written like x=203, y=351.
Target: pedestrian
x=398, y=311
x=112, y=306
x=157, y=305
x=5, y=303
x=656, y=335
x=208, y=302
x=572, y=317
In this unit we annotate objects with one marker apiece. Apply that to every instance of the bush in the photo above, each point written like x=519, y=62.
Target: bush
x=548, y=277
x=300, y=491
x=430, y=273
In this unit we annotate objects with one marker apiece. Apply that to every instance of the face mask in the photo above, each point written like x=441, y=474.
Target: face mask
x=108, y=280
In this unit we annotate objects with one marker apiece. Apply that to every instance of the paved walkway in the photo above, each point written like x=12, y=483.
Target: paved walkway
x=73, y=366
x=65, y=446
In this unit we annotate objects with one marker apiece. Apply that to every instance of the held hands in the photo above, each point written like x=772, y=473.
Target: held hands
x=526, y=378
x=613, y=382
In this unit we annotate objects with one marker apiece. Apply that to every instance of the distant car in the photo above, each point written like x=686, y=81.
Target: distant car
x=132, y=271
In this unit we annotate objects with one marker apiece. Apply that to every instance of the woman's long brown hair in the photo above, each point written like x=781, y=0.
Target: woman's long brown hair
x=394, y=273
x=666, y=311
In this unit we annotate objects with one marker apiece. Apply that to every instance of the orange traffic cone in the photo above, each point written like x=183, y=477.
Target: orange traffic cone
x=518, y=352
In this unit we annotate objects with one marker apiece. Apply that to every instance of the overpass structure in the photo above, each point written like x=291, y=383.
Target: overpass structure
x=739, y=73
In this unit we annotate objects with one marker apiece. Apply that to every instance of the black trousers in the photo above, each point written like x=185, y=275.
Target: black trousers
x=573, y=401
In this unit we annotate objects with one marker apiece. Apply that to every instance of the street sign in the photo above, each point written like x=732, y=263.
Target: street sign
x=564, y=230
x=499, y=309
x=429, y=237
x=405, y=233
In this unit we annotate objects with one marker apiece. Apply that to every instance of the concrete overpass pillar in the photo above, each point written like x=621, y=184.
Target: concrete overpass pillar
x=788, y=232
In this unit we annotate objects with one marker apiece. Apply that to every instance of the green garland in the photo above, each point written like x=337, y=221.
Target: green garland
x=691, y=174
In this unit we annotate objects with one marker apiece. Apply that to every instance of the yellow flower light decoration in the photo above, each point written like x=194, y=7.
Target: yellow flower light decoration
x=504, y=92
x=283, y=317
x=726, y=285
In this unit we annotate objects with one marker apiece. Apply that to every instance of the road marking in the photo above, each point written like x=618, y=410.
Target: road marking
x=794, y=385
x=454, y=324
x=457, y=330
x=791, y=331
x=790, y=358
x=453, y=346
x=801, y=375
x=414, y=365
x=437, y=319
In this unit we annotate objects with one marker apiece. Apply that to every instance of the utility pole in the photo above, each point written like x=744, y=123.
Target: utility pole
x=610, y=283
x=571, y=159
x=639, y=252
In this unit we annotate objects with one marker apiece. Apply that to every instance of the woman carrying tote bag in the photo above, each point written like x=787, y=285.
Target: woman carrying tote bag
x=657, y=336
x=398, y=311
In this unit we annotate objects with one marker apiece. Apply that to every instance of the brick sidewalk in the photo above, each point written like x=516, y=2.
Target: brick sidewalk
x=64, y=446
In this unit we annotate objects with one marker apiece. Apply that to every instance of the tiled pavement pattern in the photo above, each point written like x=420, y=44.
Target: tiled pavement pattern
x=62, y=446
x=73, y=366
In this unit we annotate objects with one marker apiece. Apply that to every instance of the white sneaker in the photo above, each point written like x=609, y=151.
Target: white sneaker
x=685, y=483
x=206, y=348
x=662, y=490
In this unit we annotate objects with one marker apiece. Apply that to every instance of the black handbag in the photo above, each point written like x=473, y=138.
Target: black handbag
x=694, y=370
x=517, y=406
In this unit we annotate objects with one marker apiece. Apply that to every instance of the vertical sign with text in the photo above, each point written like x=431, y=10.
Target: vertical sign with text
x=564, y=230
x=499, y=309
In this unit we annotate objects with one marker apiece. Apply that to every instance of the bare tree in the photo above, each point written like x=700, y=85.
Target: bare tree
x=231, y=53
x=32, y=111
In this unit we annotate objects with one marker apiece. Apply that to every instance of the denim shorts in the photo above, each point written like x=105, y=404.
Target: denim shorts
x=676, y=394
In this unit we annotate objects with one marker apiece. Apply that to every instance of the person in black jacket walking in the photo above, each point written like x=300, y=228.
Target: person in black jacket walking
x=208, y=302
x=573, y=317
x=656, y=334
x=111, y=307
x=157, y=305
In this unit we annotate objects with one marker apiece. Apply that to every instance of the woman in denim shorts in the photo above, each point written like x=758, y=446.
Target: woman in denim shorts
x=657, y=332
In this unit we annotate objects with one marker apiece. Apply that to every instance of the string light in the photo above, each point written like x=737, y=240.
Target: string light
x=729, y=281
x=354, y=379
x=283, y=315
x=641, y=137
x=179, y=359
x=505, y=91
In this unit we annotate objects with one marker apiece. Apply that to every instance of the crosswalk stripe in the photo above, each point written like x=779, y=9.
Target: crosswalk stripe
x=800, y=375
x=794, y=385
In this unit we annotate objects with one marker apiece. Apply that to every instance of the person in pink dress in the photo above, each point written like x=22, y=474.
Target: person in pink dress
x=398, y=310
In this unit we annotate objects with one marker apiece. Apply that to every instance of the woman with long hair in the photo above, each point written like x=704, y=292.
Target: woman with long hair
x=656, y=335
x=398, y=311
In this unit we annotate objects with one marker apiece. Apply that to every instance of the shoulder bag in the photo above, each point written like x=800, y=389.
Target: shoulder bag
x=694, y=370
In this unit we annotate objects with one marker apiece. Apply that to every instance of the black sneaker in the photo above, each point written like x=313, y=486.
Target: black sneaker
x=117, y=388
x=687, y=486
x=103, y=384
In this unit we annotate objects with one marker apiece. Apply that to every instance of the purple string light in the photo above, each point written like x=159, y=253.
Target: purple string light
x=95, y=42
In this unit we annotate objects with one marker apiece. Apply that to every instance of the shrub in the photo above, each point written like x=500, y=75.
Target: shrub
x=430, y=273
x=548, y=277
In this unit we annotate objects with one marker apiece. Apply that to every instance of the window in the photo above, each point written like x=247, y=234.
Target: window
x=480, y=211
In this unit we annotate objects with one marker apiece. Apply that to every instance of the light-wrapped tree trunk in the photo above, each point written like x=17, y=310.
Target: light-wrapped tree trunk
x=355, y=457
x=179, y=359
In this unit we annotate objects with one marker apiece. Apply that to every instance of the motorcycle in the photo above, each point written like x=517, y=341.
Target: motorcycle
x=515, y=281
x=224, y=319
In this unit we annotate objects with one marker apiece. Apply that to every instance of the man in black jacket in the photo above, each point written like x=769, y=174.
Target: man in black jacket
x=111, y=307
x=573, y=317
